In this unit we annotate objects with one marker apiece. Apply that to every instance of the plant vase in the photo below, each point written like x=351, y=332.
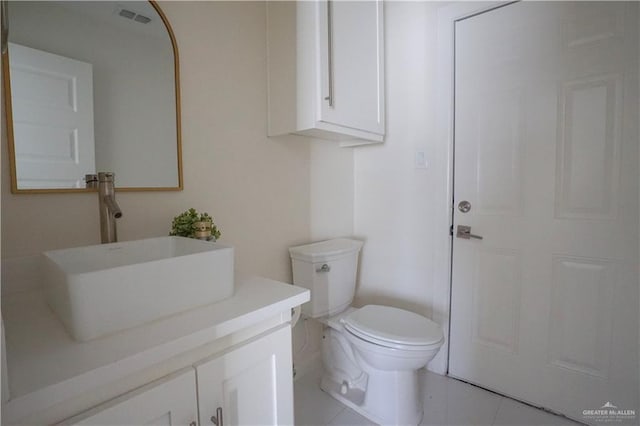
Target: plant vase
x=203, y=230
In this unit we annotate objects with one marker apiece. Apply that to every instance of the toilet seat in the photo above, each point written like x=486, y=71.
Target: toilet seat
x=393, y=328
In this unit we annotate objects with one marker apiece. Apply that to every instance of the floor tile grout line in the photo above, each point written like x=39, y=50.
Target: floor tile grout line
x=334, y=417
x=495, y=416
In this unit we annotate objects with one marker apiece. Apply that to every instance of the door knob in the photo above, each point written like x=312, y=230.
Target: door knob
x=464, y=232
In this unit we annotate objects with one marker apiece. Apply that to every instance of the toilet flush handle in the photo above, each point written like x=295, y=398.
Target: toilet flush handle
x=324, y=268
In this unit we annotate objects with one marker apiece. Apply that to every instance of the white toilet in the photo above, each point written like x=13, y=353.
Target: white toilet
x=371, y=355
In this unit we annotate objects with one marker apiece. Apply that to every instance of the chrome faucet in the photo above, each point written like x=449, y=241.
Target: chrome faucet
x=109, y=208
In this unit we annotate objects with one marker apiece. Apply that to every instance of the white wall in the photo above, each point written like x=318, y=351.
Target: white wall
x=133, y=81
x=332, y=188
x=268, y=194
x=396, y=206
x=331, y=216
x=258, y=189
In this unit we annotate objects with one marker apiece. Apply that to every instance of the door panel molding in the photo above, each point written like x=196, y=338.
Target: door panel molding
x=579, y=134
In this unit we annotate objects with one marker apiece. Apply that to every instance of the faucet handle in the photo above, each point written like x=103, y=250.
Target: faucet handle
x=91, y=180
x=106, y=176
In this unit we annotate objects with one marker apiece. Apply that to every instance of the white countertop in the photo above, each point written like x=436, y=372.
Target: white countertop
x=44, y=362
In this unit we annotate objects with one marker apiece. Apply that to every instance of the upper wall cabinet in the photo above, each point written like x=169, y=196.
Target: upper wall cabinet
x=326, y=70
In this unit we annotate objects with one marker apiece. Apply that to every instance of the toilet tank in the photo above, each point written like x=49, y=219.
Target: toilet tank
x=328, y=269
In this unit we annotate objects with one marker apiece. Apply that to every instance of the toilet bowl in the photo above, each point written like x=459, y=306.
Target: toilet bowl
x=371, y=355
x=384, y=360
x=389, y=338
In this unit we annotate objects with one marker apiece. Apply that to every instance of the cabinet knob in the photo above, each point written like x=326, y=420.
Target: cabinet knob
x=217, y=418
x=193, y=423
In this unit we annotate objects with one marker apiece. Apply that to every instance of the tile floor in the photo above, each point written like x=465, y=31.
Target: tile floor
x=448, y=402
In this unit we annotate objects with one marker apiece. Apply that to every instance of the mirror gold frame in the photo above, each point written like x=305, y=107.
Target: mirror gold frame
x=10, y=139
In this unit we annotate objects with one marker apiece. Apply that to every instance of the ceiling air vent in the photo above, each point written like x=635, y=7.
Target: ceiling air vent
x=130, y=14
x=127, y=14
x=142, y=19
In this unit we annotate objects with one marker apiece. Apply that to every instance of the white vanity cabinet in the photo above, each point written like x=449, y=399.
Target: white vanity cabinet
x=169, y=401
x=250, y=385
x=234, y=355
x=326, y=70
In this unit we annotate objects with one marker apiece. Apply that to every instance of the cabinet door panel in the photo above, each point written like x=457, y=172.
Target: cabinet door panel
x=352, y=64
x=252, y=384
x=170, y=401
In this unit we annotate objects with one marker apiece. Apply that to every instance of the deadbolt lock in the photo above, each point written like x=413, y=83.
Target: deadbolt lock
x=464, y=206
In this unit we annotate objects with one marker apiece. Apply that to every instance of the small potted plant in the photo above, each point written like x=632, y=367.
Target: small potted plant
x=192, y=224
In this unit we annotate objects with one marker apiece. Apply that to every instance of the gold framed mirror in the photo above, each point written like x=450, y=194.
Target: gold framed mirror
x=92, y=86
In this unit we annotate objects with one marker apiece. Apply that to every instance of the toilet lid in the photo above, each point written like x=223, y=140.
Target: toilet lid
x=394, y=326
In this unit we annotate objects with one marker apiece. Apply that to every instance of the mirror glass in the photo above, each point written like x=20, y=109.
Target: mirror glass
x=94, y=87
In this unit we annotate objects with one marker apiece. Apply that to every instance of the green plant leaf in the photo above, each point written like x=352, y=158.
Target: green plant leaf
x=183, y=224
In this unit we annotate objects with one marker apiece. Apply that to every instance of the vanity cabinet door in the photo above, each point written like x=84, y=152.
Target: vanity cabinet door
x=249, y=385
x=168, y=401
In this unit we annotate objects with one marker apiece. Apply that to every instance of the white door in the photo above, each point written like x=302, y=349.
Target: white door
x=251, y=385
x=545, y=306
x=351, y=64
x=52, y=105
x=166, y=402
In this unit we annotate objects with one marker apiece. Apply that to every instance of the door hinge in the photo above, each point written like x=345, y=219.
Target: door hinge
x=451, y=230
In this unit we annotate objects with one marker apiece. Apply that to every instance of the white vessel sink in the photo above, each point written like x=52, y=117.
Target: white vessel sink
x=98, y=290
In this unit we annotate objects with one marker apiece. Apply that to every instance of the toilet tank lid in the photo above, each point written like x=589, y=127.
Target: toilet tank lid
x=321, y=251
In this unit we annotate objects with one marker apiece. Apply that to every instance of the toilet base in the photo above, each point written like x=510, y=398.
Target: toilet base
x=333, y=389
x=390, y=398
x=386, y=397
